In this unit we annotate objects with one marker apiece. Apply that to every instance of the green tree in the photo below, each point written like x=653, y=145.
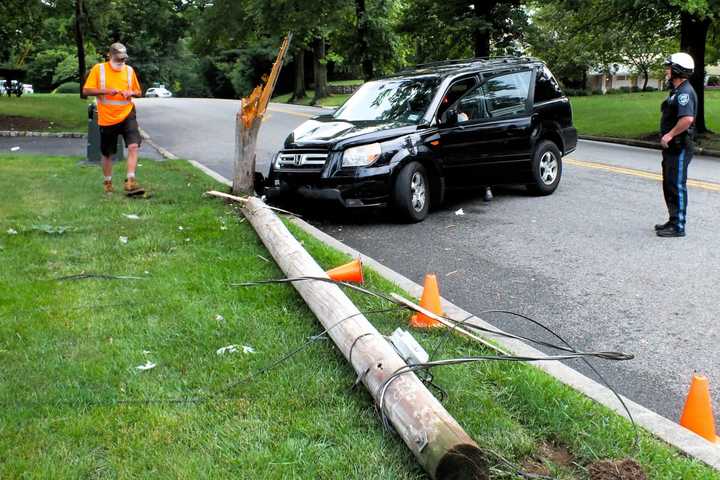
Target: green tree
x=457, y=28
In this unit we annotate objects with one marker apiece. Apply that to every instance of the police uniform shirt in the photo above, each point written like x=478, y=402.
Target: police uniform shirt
x=681, y=102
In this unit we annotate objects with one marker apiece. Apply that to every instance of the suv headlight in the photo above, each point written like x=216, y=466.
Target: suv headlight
x=361, y=156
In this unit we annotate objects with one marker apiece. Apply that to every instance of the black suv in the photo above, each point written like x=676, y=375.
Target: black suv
x=402, y=140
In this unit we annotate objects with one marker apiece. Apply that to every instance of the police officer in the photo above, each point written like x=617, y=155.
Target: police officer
x=677, y=129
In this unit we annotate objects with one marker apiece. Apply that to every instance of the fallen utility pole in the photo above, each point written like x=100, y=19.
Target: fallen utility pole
x=438, y=442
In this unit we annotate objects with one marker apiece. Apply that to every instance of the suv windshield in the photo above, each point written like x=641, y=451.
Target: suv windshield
x=397, y=100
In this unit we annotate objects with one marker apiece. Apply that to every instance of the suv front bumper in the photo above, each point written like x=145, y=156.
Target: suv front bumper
x=365, y=187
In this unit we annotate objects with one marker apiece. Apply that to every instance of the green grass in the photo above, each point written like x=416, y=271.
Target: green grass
x=635, y=115
x=69, y=351
x=67, y=111
x=331, y=101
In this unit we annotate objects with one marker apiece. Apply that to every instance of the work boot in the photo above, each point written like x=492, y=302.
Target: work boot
x=107, y=186
x=131, y=184
x=670, y=231
x=662, y=226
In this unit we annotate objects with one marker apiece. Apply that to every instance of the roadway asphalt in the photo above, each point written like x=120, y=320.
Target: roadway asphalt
x=583, y=261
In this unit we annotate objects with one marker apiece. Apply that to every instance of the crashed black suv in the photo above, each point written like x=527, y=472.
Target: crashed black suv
x=402, y=140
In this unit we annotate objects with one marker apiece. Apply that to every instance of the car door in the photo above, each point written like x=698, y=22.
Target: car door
x=491, y=141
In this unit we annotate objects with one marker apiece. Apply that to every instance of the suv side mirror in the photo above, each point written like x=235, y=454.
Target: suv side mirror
x=450, y=117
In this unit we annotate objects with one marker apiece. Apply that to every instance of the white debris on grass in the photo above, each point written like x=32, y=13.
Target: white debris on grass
x=228, y=349
x=181, y=228
x=223, y=227
x=148, y=365
x=146, y=352
x=459, y=212
x=131, y=216
x=14, y=149
x=248, y=349
x=11, y=231
x=219, y=318
x=123, y=240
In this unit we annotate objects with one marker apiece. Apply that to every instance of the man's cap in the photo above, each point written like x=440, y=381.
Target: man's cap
x=117, y=49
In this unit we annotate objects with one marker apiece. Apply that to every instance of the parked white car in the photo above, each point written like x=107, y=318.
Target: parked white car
x=27, y=88
x=159, y=92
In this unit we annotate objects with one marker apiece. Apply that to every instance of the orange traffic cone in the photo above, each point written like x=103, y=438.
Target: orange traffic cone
x=697, y=414
x=430, y=300
x=350, y=272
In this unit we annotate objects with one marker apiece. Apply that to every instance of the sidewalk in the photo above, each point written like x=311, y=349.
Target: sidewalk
x=60, y=146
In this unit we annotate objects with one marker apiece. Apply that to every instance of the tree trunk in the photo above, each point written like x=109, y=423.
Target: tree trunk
x=645, y=79
x=693, y=35
x=363, y=40
x=481, y=34
x=321, y=83
x=481, y=41
x=245, y=140
x=299, y=90
x=80, y=42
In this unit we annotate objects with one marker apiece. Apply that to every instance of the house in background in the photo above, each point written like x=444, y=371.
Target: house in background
x=622, y=76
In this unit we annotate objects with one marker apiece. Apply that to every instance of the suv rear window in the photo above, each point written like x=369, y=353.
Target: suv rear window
x=546, y=87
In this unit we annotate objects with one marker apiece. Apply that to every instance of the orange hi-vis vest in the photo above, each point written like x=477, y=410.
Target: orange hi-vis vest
x=112, y=109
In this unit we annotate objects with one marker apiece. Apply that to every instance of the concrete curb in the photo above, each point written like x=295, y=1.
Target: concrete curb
x=164, y=153
x=20, y=133
x=684, y=440
x=644, y=144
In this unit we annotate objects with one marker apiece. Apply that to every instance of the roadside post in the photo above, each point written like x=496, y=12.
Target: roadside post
x=93, y=139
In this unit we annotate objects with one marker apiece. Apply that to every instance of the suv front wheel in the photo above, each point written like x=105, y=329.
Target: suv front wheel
x=412, y=193
x=546, y=168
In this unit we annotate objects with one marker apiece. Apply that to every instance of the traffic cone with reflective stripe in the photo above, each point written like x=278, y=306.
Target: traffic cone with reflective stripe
x=430, y=300
x=697, y=414
x=350, y=272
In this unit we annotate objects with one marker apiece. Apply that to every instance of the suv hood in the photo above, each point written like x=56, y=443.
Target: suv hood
x=327, y=132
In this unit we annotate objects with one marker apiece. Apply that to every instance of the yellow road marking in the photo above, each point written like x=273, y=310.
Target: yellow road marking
x=714, y=187
x=290, y=112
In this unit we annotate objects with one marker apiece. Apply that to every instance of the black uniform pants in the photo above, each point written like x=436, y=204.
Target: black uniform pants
x=675, y=166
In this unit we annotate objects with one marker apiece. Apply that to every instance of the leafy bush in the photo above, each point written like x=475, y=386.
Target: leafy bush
x=597, y=91
x=68, y=87
x=713, y=80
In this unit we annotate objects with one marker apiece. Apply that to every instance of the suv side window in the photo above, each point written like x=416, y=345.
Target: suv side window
x=507, y=94
x=546, y=87
x=456, y=90
x=473, y=106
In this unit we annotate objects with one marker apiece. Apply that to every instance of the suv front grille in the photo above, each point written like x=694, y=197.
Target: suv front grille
x=300, y=160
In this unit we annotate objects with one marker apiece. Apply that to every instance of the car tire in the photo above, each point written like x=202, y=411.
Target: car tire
x=546, y=168
x=411, y=193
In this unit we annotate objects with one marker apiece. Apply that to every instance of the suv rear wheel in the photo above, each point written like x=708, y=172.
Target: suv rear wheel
x=411, y=194
x=546, y=168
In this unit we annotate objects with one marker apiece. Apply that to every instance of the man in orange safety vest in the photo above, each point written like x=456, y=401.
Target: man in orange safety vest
x=114, y=84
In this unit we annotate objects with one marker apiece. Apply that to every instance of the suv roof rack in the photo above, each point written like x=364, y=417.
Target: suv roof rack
x=466, y=62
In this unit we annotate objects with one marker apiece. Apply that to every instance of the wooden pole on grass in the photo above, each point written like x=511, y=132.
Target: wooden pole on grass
x=247, y=126
x=438, y=442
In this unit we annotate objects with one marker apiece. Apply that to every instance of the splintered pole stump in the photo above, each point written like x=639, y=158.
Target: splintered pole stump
x=438, y=442
x=247, y=126
x=245, y=141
